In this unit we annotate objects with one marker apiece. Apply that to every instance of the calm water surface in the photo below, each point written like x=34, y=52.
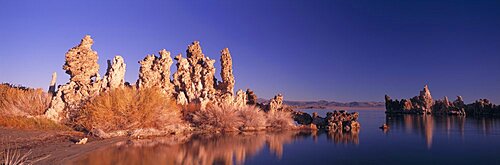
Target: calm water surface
x=410, y=140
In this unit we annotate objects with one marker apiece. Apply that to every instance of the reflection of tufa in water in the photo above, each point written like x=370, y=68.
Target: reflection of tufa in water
x=205, y=149
x=427, y=126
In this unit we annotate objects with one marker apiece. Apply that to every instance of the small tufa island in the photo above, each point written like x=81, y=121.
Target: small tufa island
x=424, y=104
x=159, y=103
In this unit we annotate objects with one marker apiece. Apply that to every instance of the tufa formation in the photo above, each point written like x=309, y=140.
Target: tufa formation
x=193, y=82
x=424, y=104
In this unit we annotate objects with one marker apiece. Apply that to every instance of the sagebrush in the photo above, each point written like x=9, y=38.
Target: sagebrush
x=129, y=108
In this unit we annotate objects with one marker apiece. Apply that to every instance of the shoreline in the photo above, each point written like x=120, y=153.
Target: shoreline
x=342, y=108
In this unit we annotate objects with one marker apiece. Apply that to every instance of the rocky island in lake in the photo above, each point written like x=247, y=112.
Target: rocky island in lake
x=424, y=104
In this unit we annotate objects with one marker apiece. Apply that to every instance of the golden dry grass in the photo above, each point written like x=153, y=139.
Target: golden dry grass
x=220, y=118
x=252, y=116
x=31, y=123
x=21, y=108
x=129, y=108
x=233, y=118
x=22, y=101
x=279, y=119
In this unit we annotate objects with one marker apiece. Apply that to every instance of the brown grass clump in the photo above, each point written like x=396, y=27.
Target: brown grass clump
x=22, y=101
x=219, y=118
x=233, y=118
x=279, y=119
x=252, y=116
x=32, y=123
x=128, y=109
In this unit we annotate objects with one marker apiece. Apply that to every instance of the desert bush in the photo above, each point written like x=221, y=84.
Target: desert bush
x=220, y=118
x=22, y=101
x=252, y=116
x=128, y=109
x=279, y=119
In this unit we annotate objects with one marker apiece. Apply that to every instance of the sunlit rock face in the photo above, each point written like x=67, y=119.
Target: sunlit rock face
x=115, y=73
x=193, y=82
x=155, y=72
x=85, y=82
x=241, y=98
x=424, y=101
x=227, y=84
x=276, y=103
x=52, y=86
x=81, y=62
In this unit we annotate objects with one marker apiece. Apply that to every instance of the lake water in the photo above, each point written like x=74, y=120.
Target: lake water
x=410, y=140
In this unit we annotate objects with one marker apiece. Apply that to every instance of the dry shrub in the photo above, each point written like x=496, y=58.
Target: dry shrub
x=22, y=101
x=279, y=119
x=33, y=123
x=129, y=108
x=222, y=118
x=252, y=116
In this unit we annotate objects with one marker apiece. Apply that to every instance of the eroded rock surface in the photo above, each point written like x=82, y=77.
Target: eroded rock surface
x=227, y=84
x=155, y=72
x=115, y=74
x=85, y=82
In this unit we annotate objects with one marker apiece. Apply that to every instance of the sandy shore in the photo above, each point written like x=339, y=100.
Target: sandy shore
x=51, y=147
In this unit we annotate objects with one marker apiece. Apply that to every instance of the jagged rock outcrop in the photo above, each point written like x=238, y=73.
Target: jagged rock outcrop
x=227, y=84
x=85, y=82
x=193, y=82
x=155, y=72
x=195, y=79
x=241, y=98
x=336, y=121
x=423, y=104
x=424, y=101
x=115, y=74
x=276, y=103
x=52, y=87
x=81, y=62
x=252, y=97
x=182, y=80
x=482, y=107
x=81, y=65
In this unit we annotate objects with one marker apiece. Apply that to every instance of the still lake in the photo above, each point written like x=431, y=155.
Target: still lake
x=411, y=139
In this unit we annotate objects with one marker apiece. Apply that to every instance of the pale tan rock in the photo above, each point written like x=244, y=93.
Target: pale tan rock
x=426, y=99
x=227, y=84
x=208, y=79
x=81, y=65
x=155, y=72
x=276, y=103
x=164, y=64
x=81, y=62
x=82, y=141
x=52, y=87
x=115, y=74
x=182, y=79
x=194, y=53
x=181, y=99
x=148, y=77
x=241, y=98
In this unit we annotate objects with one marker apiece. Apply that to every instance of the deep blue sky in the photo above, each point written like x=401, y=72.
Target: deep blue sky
x=343, y=50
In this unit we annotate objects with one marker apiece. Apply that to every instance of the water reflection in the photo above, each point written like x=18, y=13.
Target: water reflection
x=206, y=149
x=427, y=125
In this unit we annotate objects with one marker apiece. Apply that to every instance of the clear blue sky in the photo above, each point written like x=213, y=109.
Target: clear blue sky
x=344, y=50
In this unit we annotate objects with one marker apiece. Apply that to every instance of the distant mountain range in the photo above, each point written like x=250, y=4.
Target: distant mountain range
x=332, y=105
